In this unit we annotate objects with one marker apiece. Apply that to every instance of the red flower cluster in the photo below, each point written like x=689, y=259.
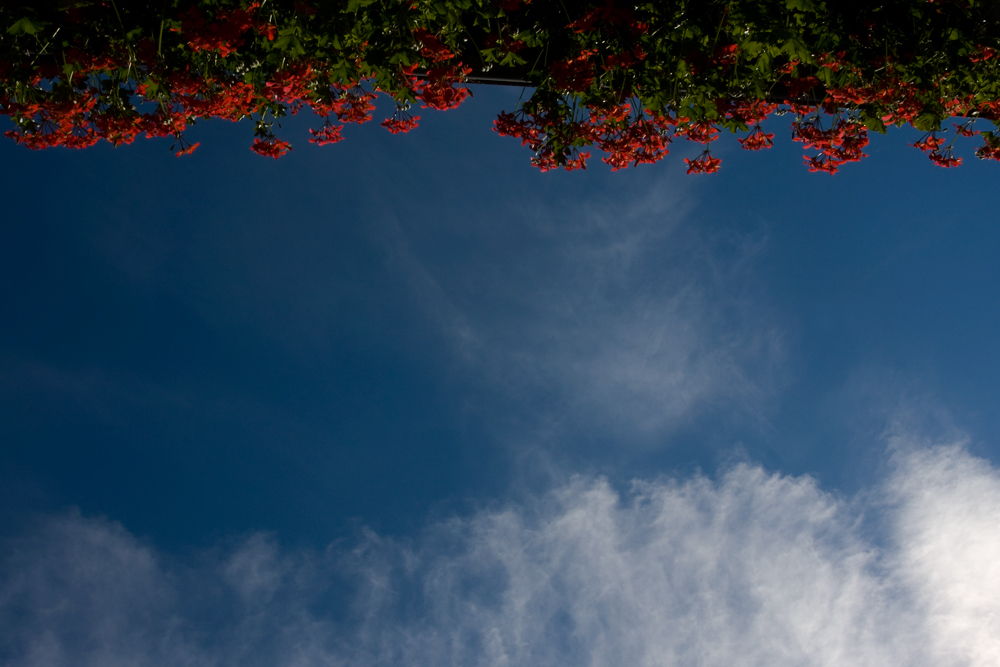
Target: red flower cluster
x=590, y=99
x=439, y=91
x=328, y=134
x=350, y=105
x=833, y=61
x=840, y=144
x=930, y=143
x=290, y=86
x=575, y=74
x=186, y=148
x=58, y=123
x=800, y=86
x=610, y=14
x=270, y=147
x=73, y=116
x=401, y=121
x=703, y=164
x=431, y=46
x=505, y=45
x=74, y=108
x=354, y=105
x=945, y=158
x=991, y=149
x=899, y=96
x=224, y=35
x=982, y=53
x=726, y=55
x=630, y=139
x=625, y=59
x=548, y=135
x=557, y=135
x=702, y=132
x=749, y=112
x=511, y=5
x=757, y=139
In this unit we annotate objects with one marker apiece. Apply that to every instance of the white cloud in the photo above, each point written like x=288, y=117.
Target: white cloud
x=750, y=569
x=108, y=395
x=949, y=519
x=82, y=592
x=617, y=307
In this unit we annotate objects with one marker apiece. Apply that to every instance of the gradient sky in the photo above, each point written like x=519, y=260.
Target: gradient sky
x=405, y=400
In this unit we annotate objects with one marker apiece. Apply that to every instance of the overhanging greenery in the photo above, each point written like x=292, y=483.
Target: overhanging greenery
x=625, y=77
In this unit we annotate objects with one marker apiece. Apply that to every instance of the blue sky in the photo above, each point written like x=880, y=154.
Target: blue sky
x=405, y=400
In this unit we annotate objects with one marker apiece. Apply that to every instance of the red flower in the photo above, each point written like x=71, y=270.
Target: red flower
x=702, y=132
x=833, y=61
x=431, y=46
x=546, y=161
x=842, y=143
x=401, y=121
x=703, y=164
x=187, y=150
x=511, y=5
x=757, y=140
x=988, y=152
x=627, y=140
x=328, y=134
x=789, y=66
x=354, y=106
x=725, y=55
x=929, y=142
x=945, y=158
x=609, y=13
x=822, y=163
x=800, y=86
x=851, y=94
x=268, y=29
x=746, y=111
x=575, y=74
x=270, y=147
x=439, y=91
x=510, y=125
x=965, y=130
x=626, y=59
x=291, y=84
x=224, y=35
x=982, y=53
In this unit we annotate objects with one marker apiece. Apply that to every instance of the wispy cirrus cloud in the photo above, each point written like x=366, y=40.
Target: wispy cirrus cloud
x=615, y=312
x=753, y=568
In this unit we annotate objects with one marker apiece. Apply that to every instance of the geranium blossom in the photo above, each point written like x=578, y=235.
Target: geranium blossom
x=703, y=164
x=270, y=147
x=622, y=79
x=401, y=121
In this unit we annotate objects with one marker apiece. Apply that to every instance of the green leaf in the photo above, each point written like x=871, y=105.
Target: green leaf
x=750, y=48
x=797, y=49
x=802, y=5
x=927, y=122
x=26, y=26
x=875, y=124
x=354, y=5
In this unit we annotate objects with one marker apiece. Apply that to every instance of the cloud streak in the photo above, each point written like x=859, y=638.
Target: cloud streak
x=617, y=309
x=753, y=568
